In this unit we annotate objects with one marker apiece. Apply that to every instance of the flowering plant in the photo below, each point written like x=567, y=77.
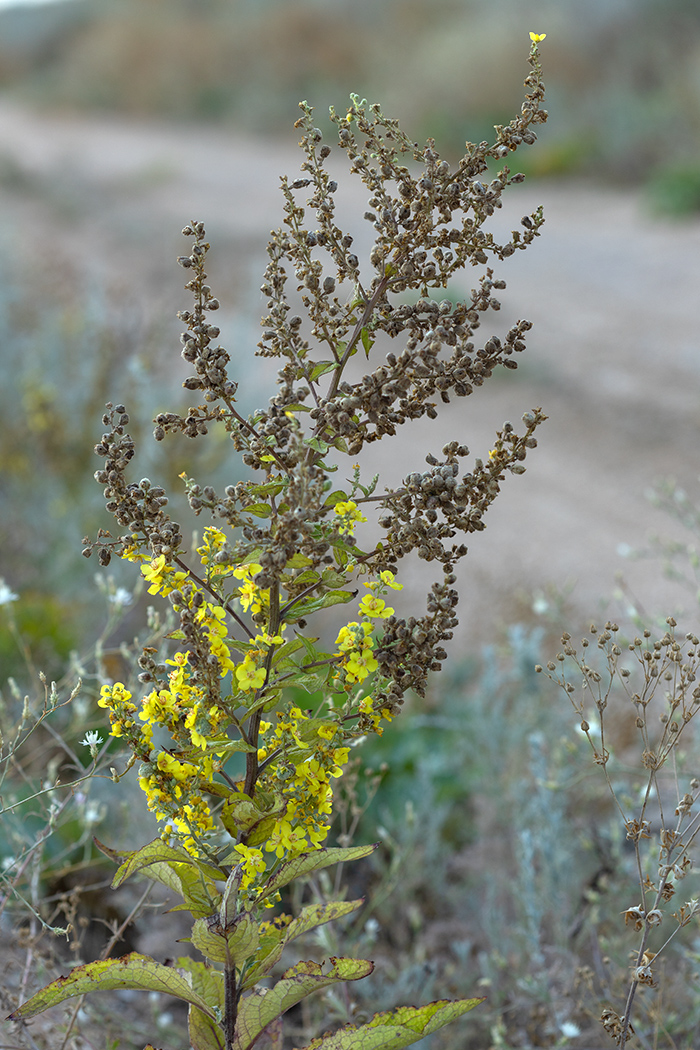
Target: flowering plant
x=238, y=774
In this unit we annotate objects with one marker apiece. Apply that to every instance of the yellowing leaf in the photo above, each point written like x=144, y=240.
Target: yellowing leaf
x=157, y=850
x=396, y=1028
x=262, y=1006
x=308, y=862
x=204, y=1033
x=131, y=971
x=206, y=982
x=310, y=918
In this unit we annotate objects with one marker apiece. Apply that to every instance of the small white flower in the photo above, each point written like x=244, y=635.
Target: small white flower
x=6, y=595
x=569, y=1030
x=93, y=813
x=92, y=739
x=121, y=596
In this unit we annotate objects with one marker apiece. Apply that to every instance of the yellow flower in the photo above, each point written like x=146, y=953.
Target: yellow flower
x=161, y=576
x=359, y=665
x=389, y=580
x=214, y=540
x=249, y=676
x=355, y=636
x=251, y=862
x=536, y=37
x=371, y=606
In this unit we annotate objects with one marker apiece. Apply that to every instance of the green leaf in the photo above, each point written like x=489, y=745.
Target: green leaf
x=236, y=944
x=337, y=496
x=221, y=745
x=257, y=1010
x=321, y=367
x=260, y=510
x=299, y=561
x=308, y=862
x=333, y=578
x=157, y=850
x=199, y=896
x=395, y=1028
x=307, y=608
x=311, y=651
x=367, y=341
x=240, y=813
x=131, y=971
x=268, y=488
x=311, y=682
x=190, y=878
x=304, y=579
x=317, y=445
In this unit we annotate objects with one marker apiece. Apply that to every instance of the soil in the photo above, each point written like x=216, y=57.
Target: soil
x=613, y=357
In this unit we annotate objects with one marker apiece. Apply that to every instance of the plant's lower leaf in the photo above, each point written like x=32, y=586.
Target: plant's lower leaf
x=206, y=982
x=204, y=1033
x=396, y=1028
x=131, y=971
x=257, y=1010
x=308, y=862
x=273, y=942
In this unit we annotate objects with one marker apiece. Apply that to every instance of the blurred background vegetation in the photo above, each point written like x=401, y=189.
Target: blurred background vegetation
x=623, y=76
x=623, y=90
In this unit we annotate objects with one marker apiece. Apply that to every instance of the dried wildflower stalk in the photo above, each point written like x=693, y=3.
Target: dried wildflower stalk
x=244, y=789
x=657, y=677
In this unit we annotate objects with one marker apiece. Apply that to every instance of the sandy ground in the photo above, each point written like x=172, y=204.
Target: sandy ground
x=613, y=358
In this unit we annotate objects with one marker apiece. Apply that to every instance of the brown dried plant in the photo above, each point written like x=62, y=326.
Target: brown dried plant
x=247, y=801
x=655, y=681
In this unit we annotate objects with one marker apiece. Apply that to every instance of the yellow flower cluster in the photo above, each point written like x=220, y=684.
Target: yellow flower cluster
x=117, y=700
x=171, y=783
x=349, y=516
x=301, y=778
x=299, y=756
x=355, y=642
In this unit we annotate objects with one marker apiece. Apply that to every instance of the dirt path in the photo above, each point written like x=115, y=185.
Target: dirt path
x=614, y=357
